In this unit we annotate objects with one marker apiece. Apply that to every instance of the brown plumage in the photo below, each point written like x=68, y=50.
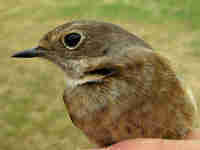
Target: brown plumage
x=117, y=87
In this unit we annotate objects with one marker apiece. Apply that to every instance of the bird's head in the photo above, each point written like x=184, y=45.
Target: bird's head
x=87, y=51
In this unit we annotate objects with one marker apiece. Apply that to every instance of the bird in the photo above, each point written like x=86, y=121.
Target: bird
x=117, y=86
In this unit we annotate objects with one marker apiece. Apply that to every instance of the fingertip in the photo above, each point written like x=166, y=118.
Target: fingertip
x=138, y=144
x=194, y=134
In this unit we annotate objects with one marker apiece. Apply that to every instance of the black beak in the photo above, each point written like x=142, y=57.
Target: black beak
x=29, y=53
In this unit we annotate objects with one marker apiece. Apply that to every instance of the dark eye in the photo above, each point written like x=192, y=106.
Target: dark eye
x=72, y=40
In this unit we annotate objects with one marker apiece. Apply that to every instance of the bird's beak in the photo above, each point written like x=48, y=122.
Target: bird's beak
x=29, y=53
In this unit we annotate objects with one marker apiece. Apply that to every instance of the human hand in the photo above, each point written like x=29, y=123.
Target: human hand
x=192, y=142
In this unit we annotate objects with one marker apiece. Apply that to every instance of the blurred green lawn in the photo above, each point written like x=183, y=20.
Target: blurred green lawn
x=32, y=114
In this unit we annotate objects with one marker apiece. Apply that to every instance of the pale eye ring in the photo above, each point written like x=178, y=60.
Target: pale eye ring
x=72, y=40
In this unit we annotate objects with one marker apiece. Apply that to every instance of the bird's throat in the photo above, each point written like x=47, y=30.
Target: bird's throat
x=85, y=80
x=96, y=76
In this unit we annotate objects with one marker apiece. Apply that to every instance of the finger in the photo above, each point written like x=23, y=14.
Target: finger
x=195, y=134
x=192, y=143
x=156, y=144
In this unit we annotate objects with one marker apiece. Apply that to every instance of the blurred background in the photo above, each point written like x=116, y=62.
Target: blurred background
x=32, y=114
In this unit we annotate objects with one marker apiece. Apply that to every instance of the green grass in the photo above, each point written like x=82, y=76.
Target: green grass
x=194, y=45
x=151, y=11
x=32, y=114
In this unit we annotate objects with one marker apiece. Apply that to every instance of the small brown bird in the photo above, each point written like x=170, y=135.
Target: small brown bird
x=117, y=87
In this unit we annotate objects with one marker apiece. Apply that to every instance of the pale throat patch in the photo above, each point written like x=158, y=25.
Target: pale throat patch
x=73, y=82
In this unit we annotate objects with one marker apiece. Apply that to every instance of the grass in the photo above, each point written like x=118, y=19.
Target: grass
x=194, y=45
x=152, y=11
x=32, y=114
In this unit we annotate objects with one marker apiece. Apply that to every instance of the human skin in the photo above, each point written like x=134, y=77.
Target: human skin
x=192, y=142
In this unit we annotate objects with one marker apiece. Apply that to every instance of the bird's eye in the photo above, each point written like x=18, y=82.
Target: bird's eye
x=72, y=40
